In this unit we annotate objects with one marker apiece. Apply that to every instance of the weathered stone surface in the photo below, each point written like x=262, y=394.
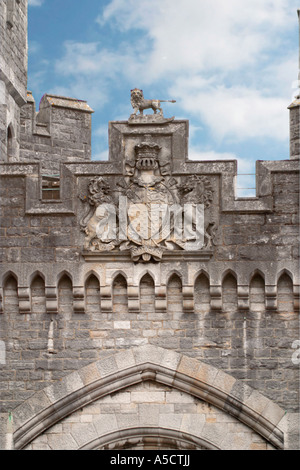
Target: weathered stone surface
x=224, y=318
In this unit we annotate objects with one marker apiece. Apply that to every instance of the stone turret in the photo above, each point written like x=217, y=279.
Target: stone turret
x=59, y=131
x=13, y=74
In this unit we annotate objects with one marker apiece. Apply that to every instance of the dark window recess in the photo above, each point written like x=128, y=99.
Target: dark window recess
x=50, y=187
x=10, y=142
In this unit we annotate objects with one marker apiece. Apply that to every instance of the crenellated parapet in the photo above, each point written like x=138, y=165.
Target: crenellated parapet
x=148, y=166
x=60, y=131
x=13, y=75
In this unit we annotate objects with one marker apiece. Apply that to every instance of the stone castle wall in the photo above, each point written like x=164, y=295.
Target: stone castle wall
x=236, y=307
x=13, y=74
x=59, y=131
x=151, y=336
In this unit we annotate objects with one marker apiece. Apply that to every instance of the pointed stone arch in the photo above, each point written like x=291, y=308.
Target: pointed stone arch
x=144, y=273
x=63, y=274
x=287, y=272
x=135, y=366
x=172, y=273
x=7, y=275
x=90, y=273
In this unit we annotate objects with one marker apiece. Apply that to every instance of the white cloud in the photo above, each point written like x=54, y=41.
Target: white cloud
x=226, y=63
x=35, y=3
x=234, y=112
x=202, y=36
x=87, y=59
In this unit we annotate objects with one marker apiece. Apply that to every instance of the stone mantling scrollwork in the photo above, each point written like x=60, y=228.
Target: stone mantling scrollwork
x=197, y=189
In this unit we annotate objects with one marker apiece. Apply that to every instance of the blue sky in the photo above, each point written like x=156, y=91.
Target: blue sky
x=231, y=66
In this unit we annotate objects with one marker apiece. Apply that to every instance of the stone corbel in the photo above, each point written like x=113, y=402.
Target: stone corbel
x=216, y=297
x=51, y=300
x=271, y=297
x=188, y=298
x=243, y=297
x=24, y=300
x=133, y=298
x=106, y=299
x=161, y=298
x=78, y=300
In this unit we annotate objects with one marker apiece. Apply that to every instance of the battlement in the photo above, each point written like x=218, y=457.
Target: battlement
x=241, y=235
x=60, y=131
x=13, y=75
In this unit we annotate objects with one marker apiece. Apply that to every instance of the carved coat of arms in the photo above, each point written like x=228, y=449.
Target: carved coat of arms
x=148, y=211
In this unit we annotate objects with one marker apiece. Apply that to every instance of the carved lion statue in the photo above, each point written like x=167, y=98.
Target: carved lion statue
x=139, y=103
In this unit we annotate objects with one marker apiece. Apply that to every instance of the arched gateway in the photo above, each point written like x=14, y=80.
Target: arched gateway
x=148, y=397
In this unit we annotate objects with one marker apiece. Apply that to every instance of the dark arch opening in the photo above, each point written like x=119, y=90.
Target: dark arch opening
x=229, y=293
x=174, y=294
x=92, y=294
x=285, y=295
x=257, y=293
x=65, y=295
x=10, y=142
x=10, y=297
x=120, y=295
x=147, y=294
x=202, y=294
x=38, y=298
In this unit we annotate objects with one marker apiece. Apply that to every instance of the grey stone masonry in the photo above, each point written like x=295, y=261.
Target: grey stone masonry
x=59, y=132
x=13, y=74
x=142, y=303
x=294, y=129
x=233, y=305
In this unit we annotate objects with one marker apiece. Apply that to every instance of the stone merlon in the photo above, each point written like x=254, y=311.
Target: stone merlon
x=59, y=131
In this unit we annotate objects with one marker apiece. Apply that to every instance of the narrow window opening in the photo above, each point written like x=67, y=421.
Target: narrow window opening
x=10, y=143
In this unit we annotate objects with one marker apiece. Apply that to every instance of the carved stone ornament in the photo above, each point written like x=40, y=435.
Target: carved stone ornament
x=197, y=189
x=144, y=212
x=139, y=104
